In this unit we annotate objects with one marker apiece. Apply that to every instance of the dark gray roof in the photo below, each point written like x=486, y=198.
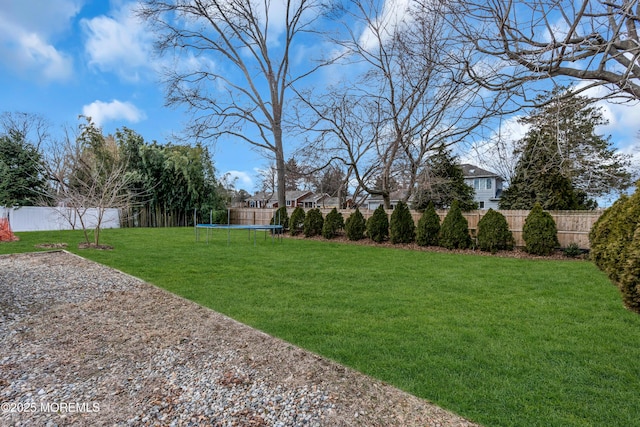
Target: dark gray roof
x=473, y=171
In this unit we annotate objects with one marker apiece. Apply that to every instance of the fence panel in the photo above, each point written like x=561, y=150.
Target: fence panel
x=37, y=218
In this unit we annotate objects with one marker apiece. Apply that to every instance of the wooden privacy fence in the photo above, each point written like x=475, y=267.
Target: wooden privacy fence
x=573, y=226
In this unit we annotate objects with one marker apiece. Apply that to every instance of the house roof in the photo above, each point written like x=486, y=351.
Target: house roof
x=394, y=196
x=295, y=195
x=261, y=195
x=314, y=197
x=473, y=171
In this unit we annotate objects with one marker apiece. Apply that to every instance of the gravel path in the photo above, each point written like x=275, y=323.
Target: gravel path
x=83, y=344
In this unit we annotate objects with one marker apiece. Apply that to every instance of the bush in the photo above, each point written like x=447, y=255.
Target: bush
x=454, y=233
x=313, y=223
x=572, y=250
x=428, y=227
x=296, y=222
x=493, y=233
x=378, y=225
x=539, y=232
x=630, y=277
x=355, y=225
x=615, y=246
x=332, y=223
x=402, y=229
x=280, y=217
x=613, y=232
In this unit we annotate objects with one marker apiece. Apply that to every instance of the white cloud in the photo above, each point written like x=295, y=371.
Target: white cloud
x=394, y=13
x=24, y=38
x=102, y=112
x=44, y=17
x=119, y=43
x=623, y=125
x=242, y=179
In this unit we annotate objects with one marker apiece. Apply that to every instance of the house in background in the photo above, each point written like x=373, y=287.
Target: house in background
x=373, y=201
x=487, y=185
x=266, y=200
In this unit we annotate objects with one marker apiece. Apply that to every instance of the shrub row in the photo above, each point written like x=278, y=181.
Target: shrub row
x=493, y=234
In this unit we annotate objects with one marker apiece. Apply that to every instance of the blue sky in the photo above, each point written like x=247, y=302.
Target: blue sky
x=63, y=58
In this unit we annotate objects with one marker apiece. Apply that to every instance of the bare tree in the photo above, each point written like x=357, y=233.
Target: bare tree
x=32, y=127
x=243, y=53
x=411, y=96
x=89, y=176
x=591, y=40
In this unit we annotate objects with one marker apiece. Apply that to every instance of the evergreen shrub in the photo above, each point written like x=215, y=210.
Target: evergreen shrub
x=402, y=229
x=613, y=232
x=378, y=225
x=332, y=223
x=493, y=233
x=630, y=277
x=313, y=223
x=428, y=227
x=355, y=225
x=281, y=217
x=454, y=233
x=540, y=233
x=296, y=222
x=615, y=246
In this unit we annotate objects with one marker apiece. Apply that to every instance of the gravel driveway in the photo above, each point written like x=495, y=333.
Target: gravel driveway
x=83, y=344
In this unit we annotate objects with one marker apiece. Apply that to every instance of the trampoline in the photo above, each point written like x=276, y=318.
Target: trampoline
x=276, y=230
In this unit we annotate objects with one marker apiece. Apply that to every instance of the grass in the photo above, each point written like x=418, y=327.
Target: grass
x=503, y=342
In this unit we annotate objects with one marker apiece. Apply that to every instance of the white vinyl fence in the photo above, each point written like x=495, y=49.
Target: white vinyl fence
x=32, y=218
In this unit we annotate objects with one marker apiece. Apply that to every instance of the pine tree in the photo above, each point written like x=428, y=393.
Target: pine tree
x=355, y=225
x=428, y=227
x=454, y=233
x=540, y=233
x=442, y=182
x=296, y=222
x=493, y=232
x=563, y=163
x=378, y=225
x=402, y=229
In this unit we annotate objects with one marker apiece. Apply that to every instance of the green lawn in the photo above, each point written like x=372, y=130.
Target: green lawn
x=503, y=342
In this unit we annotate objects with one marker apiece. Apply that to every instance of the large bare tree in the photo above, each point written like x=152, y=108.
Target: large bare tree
x=595, y=41
x=410, y=96
x=241, y=54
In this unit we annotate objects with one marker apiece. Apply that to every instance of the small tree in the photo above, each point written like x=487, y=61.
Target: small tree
x=281, y=217
x=402, y=229
x=539, y=232
x=296, y=222
x=378, y=225
x=332, y=223
x=428, y=227
x=313, y=223
x=454, y=233
x=355, y=225
x=493, y=233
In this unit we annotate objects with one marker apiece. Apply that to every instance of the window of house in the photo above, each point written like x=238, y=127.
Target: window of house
x=488, y=183
x=288, y=202
x=476, y=184
x=481, y=205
